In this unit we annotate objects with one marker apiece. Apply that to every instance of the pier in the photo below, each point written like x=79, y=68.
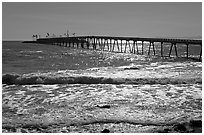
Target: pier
x=124, y=44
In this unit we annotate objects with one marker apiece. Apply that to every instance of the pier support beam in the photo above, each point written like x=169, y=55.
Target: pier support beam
x=175, y=50
x=72, y=43
x=106, y=44
x=91, y=42
x=113, y=45
x=99, y=43
x=125, y=46
x=94, y=43
x=121, y=44
x=118, y=46
x=137, y=48
x=88, y=43
x=77, y=42
x=66, y=44
x=200, y=53
x=187, y=50
x=149, y=48
x=130, y=50
x=161, y=49
x=153, y=47
x=142, y=47
x=173, y=44
x=69, y=43
x=126, y=43
x=102, y=44
x=110, y=44
x=151, y=44
x=133, y=47
x=82, y=43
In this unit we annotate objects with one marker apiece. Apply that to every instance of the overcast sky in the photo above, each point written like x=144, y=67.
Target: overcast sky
x=21, y=20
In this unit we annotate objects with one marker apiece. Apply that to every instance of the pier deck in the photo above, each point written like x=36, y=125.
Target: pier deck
x=121, y=44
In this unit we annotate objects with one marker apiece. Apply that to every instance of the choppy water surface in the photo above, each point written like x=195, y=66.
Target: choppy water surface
x=78, y=90
x=27, y=58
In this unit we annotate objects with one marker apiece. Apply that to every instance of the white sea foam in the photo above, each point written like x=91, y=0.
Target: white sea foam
x=26, y=51
x=134, y=73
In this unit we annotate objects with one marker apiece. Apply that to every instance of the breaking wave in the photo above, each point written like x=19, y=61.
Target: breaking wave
x=30, y=79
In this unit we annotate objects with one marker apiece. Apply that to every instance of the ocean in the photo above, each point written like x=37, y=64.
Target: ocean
x=49, y=88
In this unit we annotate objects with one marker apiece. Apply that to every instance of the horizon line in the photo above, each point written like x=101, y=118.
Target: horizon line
x=188, y=37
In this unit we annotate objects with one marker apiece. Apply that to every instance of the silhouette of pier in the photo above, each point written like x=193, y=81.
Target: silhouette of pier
x=123, y=44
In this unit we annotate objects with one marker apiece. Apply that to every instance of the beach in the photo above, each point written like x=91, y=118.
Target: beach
x=59, y=89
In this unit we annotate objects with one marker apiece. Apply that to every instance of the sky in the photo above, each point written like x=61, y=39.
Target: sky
x=21, y=20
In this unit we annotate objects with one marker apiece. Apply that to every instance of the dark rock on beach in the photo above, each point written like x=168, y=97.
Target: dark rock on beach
x=132, y=68
x=165, y=130
x=180, y=128
x=196, y=123
x=103, y=106
x=105, y=131
x=193, y=126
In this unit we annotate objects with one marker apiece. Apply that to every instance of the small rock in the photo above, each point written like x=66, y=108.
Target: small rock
x=64, y=131
x=105, y=131
x=24, y=131
x=103, y=106
x=196, y=123
x=180, y=128
x=131, y=68
x=10, y=129
x=166, y=130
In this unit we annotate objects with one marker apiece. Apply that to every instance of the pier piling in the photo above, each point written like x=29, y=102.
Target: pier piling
x=109, y=43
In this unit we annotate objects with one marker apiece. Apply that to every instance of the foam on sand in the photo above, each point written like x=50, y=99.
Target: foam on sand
x=83, y=104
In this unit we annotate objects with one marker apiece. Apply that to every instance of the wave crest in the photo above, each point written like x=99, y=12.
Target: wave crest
x=30, y=79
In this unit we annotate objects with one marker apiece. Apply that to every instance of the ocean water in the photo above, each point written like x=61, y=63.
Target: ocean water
x=26, y=58
x=48, y=85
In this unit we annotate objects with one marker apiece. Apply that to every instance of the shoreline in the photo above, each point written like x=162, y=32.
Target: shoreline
x=72, y=107
x=143, y=96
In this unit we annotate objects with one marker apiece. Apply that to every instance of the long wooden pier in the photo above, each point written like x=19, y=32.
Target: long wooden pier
x=121, y=44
